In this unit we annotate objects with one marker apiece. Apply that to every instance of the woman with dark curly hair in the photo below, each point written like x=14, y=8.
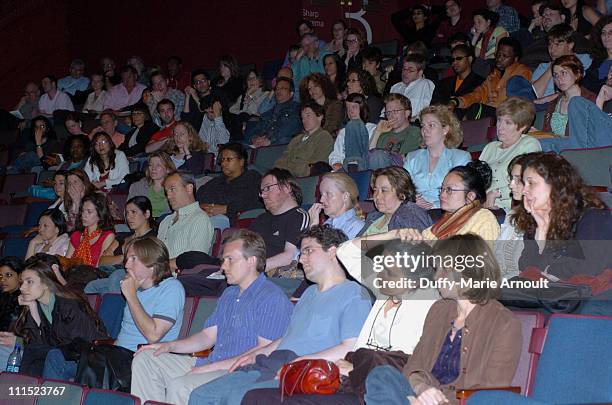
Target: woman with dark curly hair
x=318, y=88
x=361, y=82
x=563, y=220
x=335, y=70
x=601, y=39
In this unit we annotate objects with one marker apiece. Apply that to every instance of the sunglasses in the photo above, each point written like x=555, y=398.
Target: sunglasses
x=458, y=58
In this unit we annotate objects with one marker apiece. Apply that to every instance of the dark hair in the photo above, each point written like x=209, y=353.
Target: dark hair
x=198, y=72
x=366, y=81
x=96, y=159
x=563, y=32
x=488, y=15
x=372, y=53
x=419, y=60
x=467, y=50
x=157, y=72
x=253, y=245
x=321, y=80
x=305, y=22
x=475, y=176
x=166, y=102
x=421, y=7
x=128, y=68
x=315, y=107
x=238, y=149
x=514, y=44
x=13, y=262
x=285, y=178
x=88, y=187
x=57, y=217
x=49, y=131
x=286, y=80
x=400, y=180
x=208, y=101
x=364, y=111
x=231, y=62
x=570, y=197
x=84, y=139
x=572, y=63
x=144, y=204
x=100, y=202
x=143, y=109
x=339, y=21
x=72, y=117
x=556, y=7
x=458, y=37
x=51, y=78
x=599, y=50
x=175, y=58
x=325, y=235
x=340, y=70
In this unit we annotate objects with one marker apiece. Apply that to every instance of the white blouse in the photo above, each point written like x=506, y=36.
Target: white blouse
x=116, y=175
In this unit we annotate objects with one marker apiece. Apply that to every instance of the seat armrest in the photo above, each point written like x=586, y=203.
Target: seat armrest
x=101, y=342
x=202, y=353
x=466, y=393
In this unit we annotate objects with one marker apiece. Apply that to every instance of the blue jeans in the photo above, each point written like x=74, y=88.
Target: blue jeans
x=29, y=161
x=589, y=127
x=112, y=284
x=229, y=389
x=5, y=352
x=520, y=87
x=58, y=368
x=220, y=222
x=386, y=385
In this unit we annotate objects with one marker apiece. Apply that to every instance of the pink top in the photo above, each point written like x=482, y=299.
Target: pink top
x=96, y=248
x=118, y=97
x=58, y=247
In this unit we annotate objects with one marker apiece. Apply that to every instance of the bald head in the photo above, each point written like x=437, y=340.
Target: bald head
x=32, y=92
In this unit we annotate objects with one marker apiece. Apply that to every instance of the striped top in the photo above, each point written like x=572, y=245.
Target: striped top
x=262, y=310
x=192, y=231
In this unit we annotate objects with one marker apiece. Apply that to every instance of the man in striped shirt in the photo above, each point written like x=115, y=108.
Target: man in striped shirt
x=250, y=314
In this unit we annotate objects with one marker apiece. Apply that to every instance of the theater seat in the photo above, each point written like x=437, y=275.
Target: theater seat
x=266, y=156
x=13, y=214
x=111, y=313
x=205, y=308
x=188, y=313
x=9, y=382
x=70, y=393
x=594, y=164
x=18, y=183
x=309, y=187
x=96, y=396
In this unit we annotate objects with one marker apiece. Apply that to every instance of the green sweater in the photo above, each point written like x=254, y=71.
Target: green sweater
x=304, y=150
x=402, y=142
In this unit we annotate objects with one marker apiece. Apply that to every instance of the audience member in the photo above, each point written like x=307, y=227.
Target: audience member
x=509, y=78
x=434, y=369
x=10, y=269
x=126, y=93
x=161, y=91
x=371, y=60
x=394, y=137
x=111, y=78
x=335, y=70
x=108, y=124
x=442, y=136
x=138, y=64
x=456, y=22
x=361, y=82
x=77, y=186
x=75, y=153
x=395, y=201
x=52, y=316
x=96, y=99
x=194, y=97
x=189, y=229
x=486, y=33
x=52, y=237
x=355, y=42
x=344, y=302
x=310, y=59
x=107, y=166
x=213, y=131
x=235, y=190
x=340, y=203
x=159, y=165
x=414, y=24
x=560, y=43
x=60, y=181
x=582, y=16
x=75, y=82
x=186, y=149
x=601, y=40
x=313, y=146
x=281, y=122
x=53, y=99
x=177, y=77
x=28, y=105
x=316, y=87
x=229, y=83
x=40, y=142
x=508, y=16
x=249, y=315
x=247, y=105
x=338, y=31
x=281, y=224
x=514, y=118
x=141, y=132
x=352, y=143
x=414, y=86
x=165, y=109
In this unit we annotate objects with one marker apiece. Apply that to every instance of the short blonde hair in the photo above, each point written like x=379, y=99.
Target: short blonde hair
x=195, y=142
x=521, y=111
x=345, y=184
x=454, y=137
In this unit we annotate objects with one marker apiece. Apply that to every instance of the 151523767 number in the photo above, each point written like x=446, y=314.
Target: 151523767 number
x=27, y=391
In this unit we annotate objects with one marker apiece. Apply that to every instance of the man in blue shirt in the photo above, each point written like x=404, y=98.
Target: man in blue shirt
x=325, y=324
x=249, y=315
x=508, y=16
x=75, y=81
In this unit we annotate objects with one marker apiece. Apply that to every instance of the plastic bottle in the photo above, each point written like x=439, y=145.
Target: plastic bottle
x=14, y=361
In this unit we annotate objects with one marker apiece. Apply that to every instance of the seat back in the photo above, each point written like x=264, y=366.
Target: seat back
x=266, y=157
x=209, y=162
x=8, y=137
x=525, y=370
x=362, y=180
x=594, y=165
x=191, y=303
x=245, y=218
x=309, y=188
x=111, y=313
x=62, y=392
x=205, y=308
x=94, y=301
x=13, y=214
x=97, y=396
x=45, y=175
x=34, y=210
x=575, y=364
x=216, y=246
x=475, y=132
x=10, y=381
x=389, y=49
x=18, y=183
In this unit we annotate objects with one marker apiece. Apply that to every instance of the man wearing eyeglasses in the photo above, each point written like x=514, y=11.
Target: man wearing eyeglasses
x=195, y=96
x=414, y=86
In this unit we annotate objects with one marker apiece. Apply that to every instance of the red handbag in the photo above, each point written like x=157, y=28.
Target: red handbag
x=309, y=377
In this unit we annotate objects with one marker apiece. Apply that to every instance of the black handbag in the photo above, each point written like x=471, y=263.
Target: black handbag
x=107, y=367
x=559, y=297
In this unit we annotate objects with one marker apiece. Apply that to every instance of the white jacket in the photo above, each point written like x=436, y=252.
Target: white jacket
x=116, y=175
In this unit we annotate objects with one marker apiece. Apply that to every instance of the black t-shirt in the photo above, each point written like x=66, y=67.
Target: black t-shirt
x=278, y=229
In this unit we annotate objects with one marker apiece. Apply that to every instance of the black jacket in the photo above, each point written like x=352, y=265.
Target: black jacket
x=70, y=321
x=142, y=139
x=9, y=310
x=445, y=89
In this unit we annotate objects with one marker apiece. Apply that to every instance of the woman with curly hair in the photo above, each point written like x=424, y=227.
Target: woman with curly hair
x=563, y=220
x=318, y=88
x=186, y=149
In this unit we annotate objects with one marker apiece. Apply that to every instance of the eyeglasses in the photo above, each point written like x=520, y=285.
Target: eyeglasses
x=200, y=81
x=458, y=58
x=266, y=189
x=227, y=159
x=101, y=142
x=449, y=190
x=394, y=112
x=370, y=342
x=353, y=81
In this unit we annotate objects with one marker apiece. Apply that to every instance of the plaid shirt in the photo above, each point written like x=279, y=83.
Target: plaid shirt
x=508, y=18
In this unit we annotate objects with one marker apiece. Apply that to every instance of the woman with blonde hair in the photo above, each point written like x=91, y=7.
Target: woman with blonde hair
x=186, y=149
x=152, y=185
x=427, y=167
x=340, y=203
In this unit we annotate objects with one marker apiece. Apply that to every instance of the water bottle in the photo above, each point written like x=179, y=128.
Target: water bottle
x=14, y=361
